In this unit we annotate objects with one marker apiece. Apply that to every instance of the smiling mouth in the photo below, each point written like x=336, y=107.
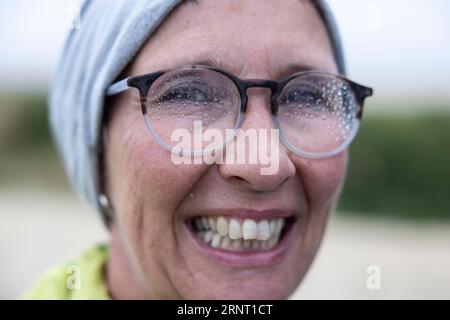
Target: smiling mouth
x=238, y=234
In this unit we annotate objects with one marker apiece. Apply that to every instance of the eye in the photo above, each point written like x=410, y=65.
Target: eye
x=300, y=95
x=183, y=94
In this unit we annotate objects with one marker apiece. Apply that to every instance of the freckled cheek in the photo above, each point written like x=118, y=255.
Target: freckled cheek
x=145, y=206
x=143, y=166
x=322, y=178
x=151, y=175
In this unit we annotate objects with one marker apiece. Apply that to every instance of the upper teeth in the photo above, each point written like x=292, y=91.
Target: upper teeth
x=233, y=228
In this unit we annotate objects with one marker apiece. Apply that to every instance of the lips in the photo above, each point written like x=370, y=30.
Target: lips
x=242, y=238
x=238, y=234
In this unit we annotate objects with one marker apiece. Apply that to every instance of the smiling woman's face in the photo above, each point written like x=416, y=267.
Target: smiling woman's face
x=155, y=251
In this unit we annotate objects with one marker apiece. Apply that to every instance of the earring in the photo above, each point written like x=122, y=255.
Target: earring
x=105, y=207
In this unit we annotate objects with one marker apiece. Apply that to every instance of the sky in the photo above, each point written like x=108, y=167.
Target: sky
x=401, y=47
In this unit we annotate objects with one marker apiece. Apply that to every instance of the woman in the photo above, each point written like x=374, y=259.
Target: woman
x=181, y=225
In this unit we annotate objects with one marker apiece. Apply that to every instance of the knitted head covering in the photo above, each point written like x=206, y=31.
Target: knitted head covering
x=110, y=34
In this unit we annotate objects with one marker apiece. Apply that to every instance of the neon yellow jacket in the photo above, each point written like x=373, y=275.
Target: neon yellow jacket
x=79, y=280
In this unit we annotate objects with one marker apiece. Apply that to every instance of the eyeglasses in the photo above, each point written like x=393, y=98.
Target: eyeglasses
x=317, y=113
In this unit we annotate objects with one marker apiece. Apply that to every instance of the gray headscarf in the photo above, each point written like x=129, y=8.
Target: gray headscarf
x=110, y=34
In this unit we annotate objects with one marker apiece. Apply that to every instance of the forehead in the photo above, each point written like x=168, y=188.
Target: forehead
x=263, y=38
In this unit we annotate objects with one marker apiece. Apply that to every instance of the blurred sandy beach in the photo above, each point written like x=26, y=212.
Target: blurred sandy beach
x=40, y=229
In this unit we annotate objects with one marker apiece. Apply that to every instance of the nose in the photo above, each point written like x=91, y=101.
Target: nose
x=259, y=161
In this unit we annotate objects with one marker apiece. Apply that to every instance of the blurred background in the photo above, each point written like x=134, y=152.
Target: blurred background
x=394, y=214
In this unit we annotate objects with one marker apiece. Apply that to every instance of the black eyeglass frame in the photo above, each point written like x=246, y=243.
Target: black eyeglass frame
x=145, y=81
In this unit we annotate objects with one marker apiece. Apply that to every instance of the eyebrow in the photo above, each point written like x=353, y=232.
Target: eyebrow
x=202, y=62
x=283, y=72
x=294, y=67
